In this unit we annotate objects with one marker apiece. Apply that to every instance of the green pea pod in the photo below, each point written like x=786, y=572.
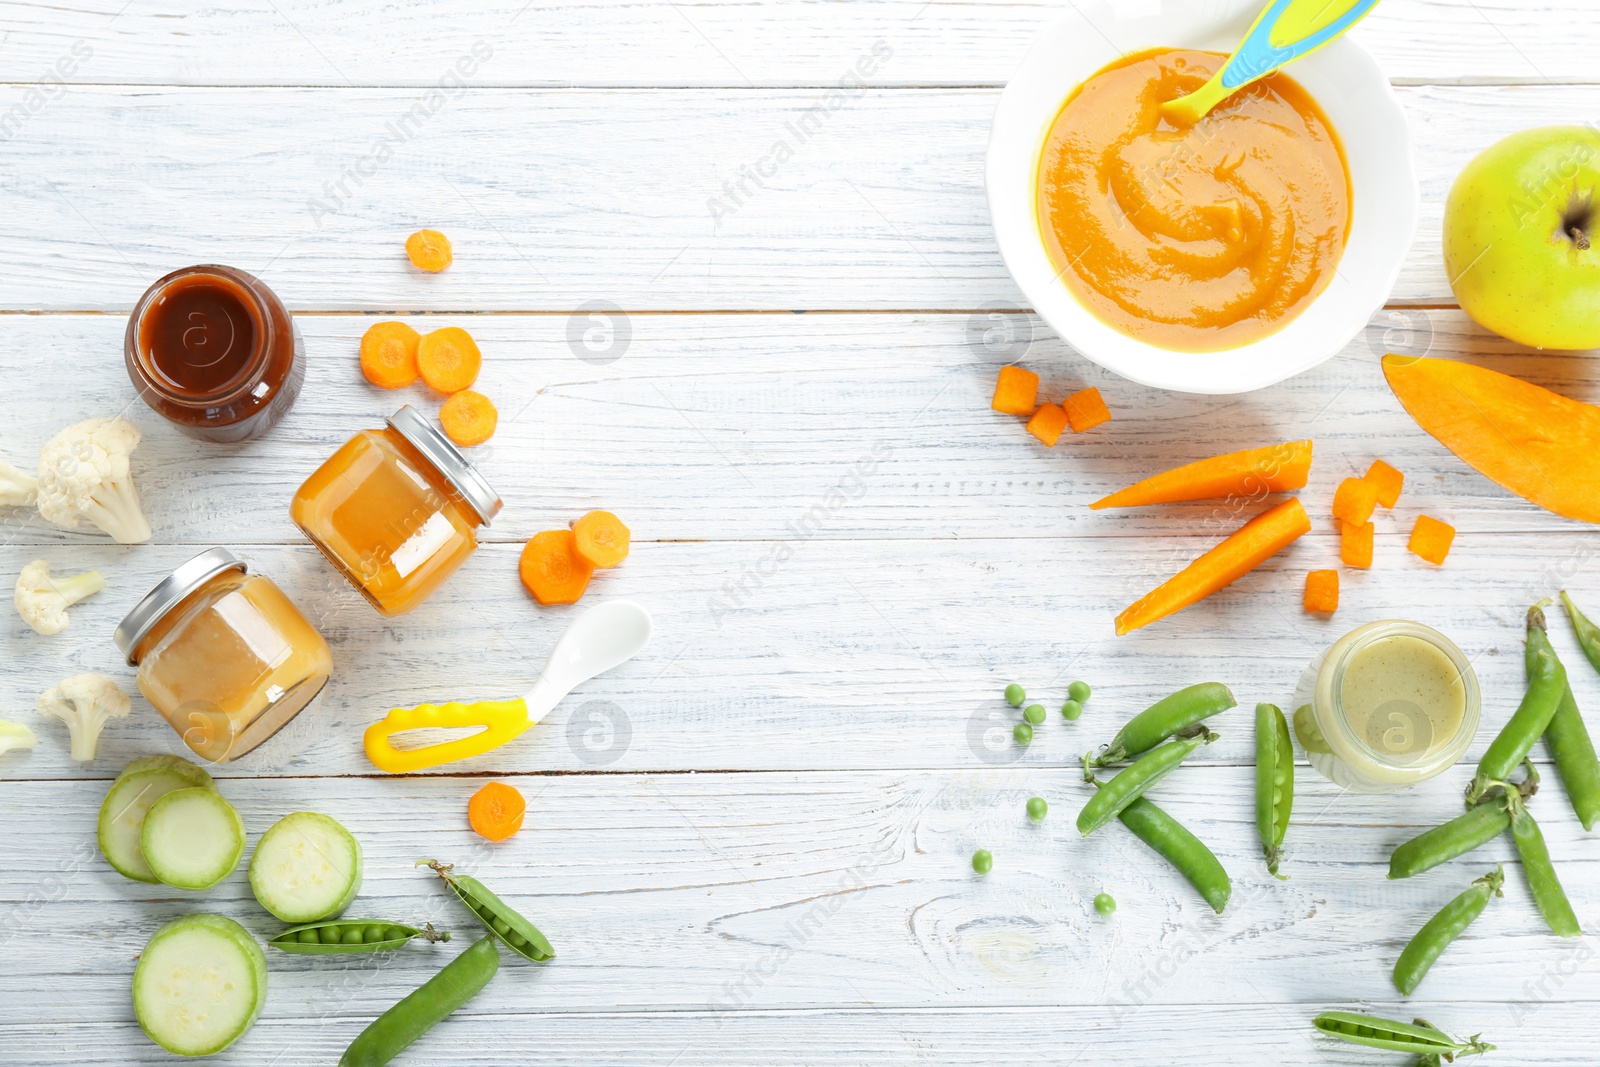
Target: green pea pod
x=342, y=936
x=1438, y=932
x=1186, y=852
x=426, y=1007
x=1305, y=728
x=1131, y=783
x=1588, y=632
x=1460, y=835
x=1541, y=873
x=1547, y=681
x=1168, y=716
x=1419, y=1037
x=1571, y=747
x=498, y=917
x=1274, y=781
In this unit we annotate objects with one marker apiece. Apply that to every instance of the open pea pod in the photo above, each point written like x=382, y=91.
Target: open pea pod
x=498, y=917
x=344, y=936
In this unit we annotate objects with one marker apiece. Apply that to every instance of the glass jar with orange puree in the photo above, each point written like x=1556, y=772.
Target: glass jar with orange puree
x=396, y=510
x=223, y=655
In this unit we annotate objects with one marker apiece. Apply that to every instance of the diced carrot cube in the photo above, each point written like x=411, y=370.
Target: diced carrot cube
x=1086, y=409
x=1355, y=544
x=1015, y=391
x=1047, y=424
x=1322, y=591
x=1431, y=539
x=1354, y=501
x=1387, y=480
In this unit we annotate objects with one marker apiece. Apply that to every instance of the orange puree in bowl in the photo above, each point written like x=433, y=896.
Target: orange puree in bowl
x=1200, y=238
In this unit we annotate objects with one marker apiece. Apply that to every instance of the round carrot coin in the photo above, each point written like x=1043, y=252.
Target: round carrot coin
x=552, y=570
x=469, y=418
x=389, y=354
x=496, y=811
x=429, y=250
x=601, y=538
x=448, y=359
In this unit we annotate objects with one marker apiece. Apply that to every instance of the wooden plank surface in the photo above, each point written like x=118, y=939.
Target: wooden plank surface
x=881, y=209
x=751, y=844
x=743, y=44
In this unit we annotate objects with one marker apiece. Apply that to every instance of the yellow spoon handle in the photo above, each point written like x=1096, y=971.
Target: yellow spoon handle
x=501, y=720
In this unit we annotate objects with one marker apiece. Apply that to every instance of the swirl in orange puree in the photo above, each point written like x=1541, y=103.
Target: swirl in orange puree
x=1200, y=238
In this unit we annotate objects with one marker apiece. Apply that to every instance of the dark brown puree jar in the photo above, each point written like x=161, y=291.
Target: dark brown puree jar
x=214, y=352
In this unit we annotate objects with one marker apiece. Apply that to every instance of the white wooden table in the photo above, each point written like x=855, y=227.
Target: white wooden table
x=750, y=845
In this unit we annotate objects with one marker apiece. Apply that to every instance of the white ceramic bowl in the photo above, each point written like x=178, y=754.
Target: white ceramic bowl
x=1346, y=83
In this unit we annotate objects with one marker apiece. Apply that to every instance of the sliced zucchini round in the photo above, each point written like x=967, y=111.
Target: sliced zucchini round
x=122, y=815
x=192, y=838
x=200, y=983
x=306, y=868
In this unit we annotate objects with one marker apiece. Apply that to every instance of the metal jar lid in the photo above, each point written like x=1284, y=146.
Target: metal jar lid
x=169, y=593
x=437, y=450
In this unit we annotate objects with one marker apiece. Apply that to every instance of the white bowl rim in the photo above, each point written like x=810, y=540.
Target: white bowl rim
x=1366, y=113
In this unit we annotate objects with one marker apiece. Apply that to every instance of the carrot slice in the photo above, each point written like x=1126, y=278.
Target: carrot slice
x=1387, y=480
x=1431, y=539
x=1251, y=472
x=1354, y=501
x=551, y=568
x=496, y=811
x=601, y=539
x=1015, y=391
x=1355, y=544
x=448, y=359
x=1047, y=424
x=469, y=418
x=1322, y=591
x=1239, y=553
x=389, y=354
x=429, y=250
x=1086, y=409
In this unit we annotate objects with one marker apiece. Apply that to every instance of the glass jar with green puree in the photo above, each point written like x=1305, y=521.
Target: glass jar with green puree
x=1391, y=704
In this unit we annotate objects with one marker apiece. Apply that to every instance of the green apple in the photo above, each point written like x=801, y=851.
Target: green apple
x=1522, y=237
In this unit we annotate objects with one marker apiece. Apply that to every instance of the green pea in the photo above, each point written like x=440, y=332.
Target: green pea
x=1015, y=695
x=517, y=940
x=1034, y=713
x=1023, y=733
x=1037, y=808
x=1071, y=709
x=501, y=927
x=352, y=935
x=982, y=861
x=376, y=934
x=1104, y=903
x=1079, y=691
x=332, y=935
x=308, y=937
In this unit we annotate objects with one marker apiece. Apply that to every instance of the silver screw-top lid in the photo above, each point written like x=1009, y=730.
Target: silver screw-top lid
x=169, y=593
x=437, y=449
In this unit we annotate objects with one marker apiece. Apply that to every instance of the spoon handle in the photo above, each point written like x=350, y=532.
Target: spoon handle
x=501, y=721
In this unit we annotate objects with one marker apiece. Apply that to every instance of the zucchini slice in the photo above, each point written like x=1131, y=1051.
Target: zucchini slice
x=200, y=983
x=137, y=788
x=192, y=838
x=306, y=868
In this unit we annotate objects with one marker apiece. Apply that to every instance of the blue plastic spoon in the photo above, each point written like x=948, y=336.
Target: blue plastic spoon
x=1285, y=31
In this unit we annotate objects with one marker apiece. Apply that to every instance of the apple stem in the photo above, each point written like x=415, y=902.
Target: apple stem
x=1579, y=239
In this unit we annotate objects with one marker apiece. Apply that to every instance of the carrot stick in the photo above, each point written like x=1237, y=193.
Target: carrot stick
x=1250, y=473
x=1237, y=555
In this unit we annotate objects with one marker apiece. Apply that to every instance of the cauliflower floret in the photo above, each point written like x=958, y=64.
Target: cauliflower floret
x=85, y=702
x=42, y=601
x=17, y=490
x=83, y=473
